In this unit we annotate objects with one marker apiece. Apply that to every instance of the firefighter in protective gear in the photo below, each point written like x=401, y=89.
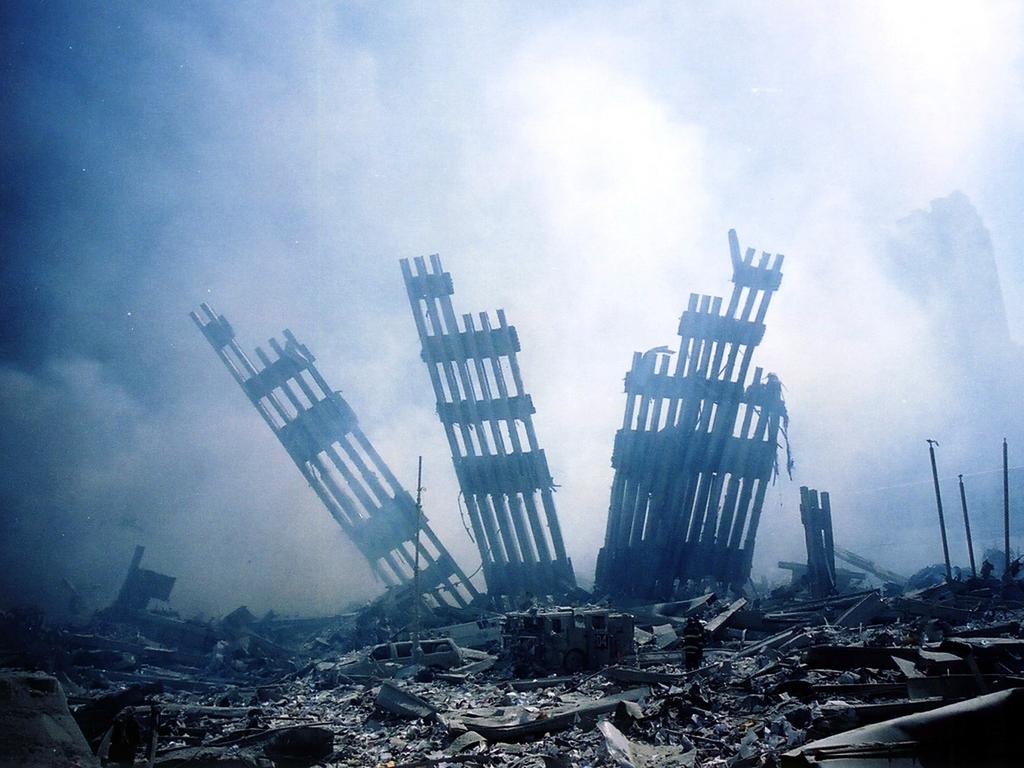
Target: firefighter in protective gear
x=693, y=642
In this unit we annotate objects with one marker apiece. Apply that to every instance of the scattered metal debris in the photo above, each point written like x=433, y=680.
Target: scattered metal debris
x=776, y=679
x=979, y=731
x=628, y=754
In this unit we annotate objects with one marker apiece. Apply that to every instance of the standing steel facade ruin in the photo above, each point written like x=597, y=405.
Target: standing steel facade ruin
x=321, y=434
x=697, y=447
x=816, y=517
x=487, y=418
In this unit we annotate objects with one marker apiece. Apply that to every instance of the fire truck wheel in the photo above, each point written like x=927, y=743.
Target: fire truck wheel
x=574, y=661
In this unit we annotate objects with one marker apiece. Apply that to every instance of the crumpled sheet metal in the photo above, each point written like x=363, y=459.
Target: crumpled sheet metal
x=629, y=754
x=983, y=731
x=517, y=723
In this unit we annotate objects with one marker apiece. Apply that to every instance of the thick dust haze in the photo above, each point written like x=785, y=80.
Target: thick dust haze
x=578, y=165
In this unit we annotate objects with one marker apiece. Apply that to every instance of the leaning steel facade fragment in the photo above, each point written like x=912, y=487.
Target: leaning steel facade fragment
x=697, y=447
x=816, y=517
x=487, y=418
x=321, y=434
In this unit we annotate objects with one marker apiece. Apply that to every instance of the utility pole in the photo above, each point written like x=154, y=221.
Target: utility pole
x=942, y=519
x=967, y=527
x=416, y=566
x=1006, y=508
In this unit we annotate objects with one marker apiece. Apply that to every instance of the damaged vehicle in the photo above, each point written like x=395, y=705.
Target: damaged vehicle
x=568, y=639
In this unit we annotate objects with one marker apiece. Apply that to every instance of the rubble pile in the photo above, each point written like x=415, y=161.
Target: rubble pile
x=781, y=681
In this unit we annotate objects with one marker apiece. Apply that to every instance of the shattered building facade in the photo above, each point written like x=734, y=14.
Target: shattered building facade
x=487, y=418
x=697, y=447
x=321, y=434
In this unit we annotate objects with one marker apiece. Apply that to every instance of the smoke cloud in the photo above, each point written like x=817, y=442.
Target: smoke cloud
x=578, y=166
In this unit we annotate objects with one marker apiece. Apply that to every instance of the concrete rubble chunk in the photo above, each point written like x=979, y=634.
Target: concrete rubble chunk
x=468, y=740
x=401, y=702
x=36, y=727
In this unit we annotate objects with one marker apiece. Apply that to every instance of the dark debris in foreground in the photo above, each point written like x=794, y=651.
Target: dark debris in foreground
x=774, y=679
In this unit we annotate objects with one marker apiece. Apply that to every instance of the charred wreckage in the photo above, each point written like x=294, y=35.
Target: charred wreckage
x=680, y=662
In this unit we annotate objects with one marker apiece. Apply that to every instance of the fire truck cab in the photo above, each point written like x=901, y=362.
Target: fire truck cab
x=567, y=639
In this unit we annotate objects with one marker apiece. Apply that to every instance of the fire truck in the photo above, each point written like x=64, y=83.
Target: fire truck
x=567, y=639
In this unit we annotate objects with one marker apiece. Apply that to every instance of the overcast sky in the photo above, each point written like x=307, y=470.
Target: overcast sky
x=577, y=164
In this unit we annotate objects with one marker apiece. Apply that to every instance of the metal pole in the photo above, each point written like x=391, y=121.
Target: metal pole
x=967, y=526
x=1006, y=508
x=416, y=566
x=938, y=502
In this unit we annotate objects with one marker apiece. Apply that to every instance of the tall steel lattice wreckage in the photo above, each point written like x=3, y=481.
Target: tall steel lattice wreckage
x=487, y=419
x=698, y=446
x=321, y=434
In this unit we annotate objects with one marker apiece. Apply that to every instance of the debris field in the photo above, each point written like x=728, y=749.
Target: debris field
x=790, y=680
x=680, y=662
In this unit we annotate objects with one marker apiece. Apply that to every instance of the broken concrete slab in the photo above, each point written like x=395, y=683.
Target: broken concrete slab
x=36, y=727
x=402, y=703
x=665, y=636
x=721, y=621
x=869, y=608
